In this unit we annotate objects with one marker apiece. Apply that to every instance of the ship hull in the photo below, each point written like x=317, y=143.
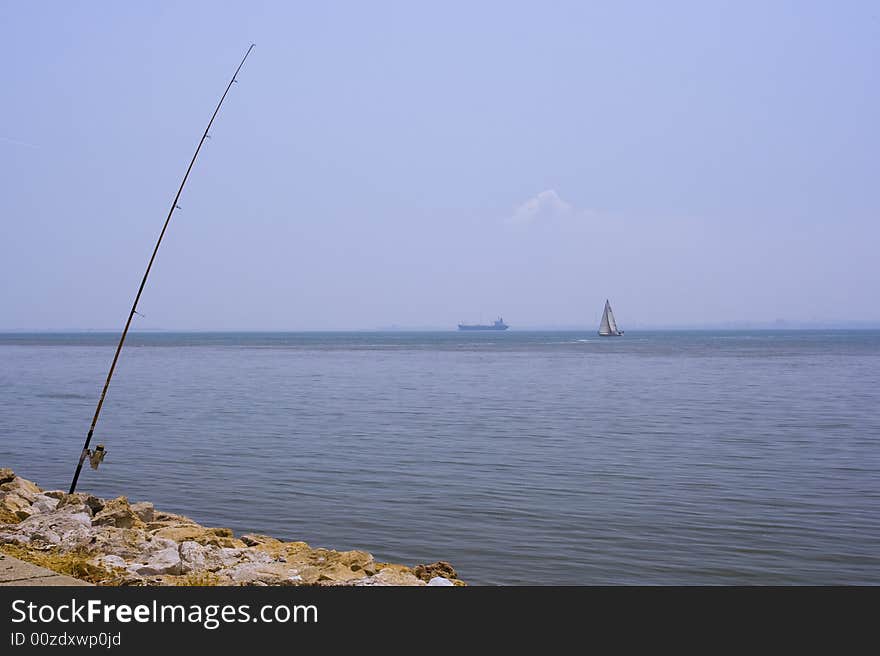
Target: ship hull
x=465, y=327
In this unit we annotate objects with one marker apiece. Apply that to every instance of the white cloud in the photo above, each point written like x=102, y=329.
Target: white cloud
x=545, y=205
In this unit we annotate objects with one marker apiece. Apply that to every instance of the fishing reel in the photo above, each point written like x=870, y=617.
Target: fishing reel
x=96, y=457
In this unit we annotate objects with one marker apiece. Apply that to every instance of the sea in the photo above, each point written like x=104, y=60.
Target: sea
x=542, y=458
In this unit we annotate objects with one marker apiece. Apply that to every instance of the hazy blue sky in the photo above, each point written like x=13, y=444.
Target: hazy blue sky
x=415, y=164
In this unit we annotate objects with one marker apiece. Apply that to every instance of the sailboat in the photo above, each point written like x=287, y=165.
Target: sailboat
x=608, y=327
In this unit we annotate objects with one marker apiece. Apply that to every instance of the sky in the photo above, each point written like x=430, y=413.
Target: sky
x=420, y=164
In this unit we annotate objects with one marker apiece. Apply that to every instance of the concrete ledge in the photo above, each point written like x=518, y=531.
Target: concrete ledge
x=17, y=572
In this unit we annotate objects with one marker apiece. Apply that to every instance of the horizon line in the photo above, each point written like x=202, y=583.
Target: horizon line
x=852, y=325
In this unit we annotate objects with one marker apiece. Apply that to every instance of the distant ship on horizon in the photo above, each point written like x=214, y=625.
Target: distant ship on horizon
x=498, y=324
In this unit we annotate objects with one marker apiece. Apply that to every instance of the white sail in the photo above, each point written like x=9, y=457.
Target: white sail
x=608, y=326
x=611, y=322
x=605, y=326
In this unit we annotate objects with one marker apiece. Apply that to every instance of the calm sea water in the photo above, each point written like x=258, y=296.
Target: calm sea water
x=543, y=458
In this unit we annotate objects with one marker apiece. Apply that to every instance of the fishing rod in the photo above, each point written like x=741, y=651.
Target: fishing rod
x=95, y=457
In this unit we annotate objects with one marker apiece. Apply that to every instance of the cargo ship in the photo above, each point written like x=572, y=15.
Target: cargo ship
x=498, y=324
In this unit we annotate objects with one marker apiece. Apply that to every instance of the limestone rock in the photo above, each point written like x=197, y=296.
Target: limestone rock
x=290, y=551
x=224, y=557
x=135, y=544
x=44, y=504
x=167, y=518
x=89, y=501
x=7, y=516
x=13, y=503
x=111, y=561
x=128, y=543
x=356, y=561
x=440, y=581
x=392, y=575
x=144, y=510
x=181, y=533
x=265, y=573
x=254, y=539
x=22, y=487
x=338, y=573
x=133, y=567
x=440, y=568
x=192, y=557
x=166, y=561
x=211, y=558
x=221, y=537
x=247, y=573
x=153, y=545
x=71, y=530
x=117, y=512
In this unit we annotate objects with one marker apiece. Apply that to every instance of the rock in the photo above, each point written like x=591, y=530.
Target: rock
x=440, y=581
x=254, y=539
x=70, y=530
x=117, y=512
x=253, y=556
x=135, y=544
x=338, y=573
x=144, y=510
x=73, y=503
x=166, y=561
x=132, y=569
x=392, y=575
x=13, y=502
x=440, y=568
x=196, y=533
x=44, y=504
x=244, y=572
x=77, y=499
x=129, y=543
x=22, y=487
x=263, y=573
x=296, y=551
x=153, y=545
x=192, y=557
x=112, y=561
x=354, y=560
x=167, y=518
x=226, y=557
x=211, y=558
x=7, y=516
x=180, y=532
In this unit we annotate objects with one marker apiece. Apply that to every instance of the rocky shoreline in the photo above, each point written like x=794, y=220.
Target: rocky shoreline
x=114, y=542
